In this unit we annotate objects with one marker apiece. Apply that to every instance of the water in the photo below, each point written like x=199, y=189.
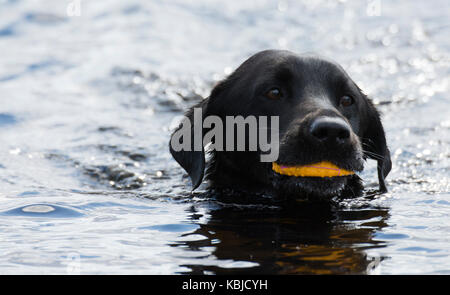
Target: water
x=87, y=184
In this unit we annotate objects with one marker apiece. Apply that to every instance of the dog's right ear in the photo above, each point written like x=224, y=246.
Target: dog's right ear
x=186, y=143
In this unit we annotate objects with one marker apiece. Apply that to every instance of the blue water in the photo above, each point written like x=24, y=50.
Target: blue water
x=87, y=184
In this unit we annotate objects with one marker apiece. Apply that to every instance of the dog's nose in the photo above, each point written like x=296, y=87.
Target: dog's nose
x=331, y=129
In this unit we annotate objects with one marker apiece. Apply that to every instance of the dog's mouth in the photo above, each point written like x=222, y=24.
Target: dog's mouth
x=321, y=169
x=322, y=179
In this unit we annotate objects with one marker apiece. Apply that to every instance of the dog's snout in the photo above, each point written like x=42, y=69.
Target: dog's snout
x=331, y=129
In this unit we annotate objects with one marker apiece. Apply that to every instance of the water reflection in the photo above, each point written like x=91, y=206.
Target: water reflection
x=294, y=238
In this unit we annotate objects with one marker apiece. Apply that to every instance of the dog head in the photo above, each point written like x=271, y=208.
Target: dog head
x=322, y=117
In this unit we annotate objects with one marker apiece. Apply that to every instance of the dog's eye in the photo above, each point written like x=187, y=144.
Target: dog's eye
x=274, y=93
x=346, y=101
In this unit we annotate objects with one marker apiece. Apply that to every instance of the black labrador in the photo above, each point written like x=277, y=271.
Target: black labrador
x=322, y=116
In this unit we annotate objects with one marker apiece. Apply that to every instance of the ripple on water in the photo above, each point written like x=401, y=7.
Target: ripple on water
x=419, y=249
x=390, y=236
x=28, y=193
x=172, y=227
x=7, y=119
x=43, y=210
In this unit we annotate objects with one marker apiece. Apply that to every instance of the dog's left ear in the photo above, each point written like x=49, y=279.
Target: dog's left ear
x=374, y=144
